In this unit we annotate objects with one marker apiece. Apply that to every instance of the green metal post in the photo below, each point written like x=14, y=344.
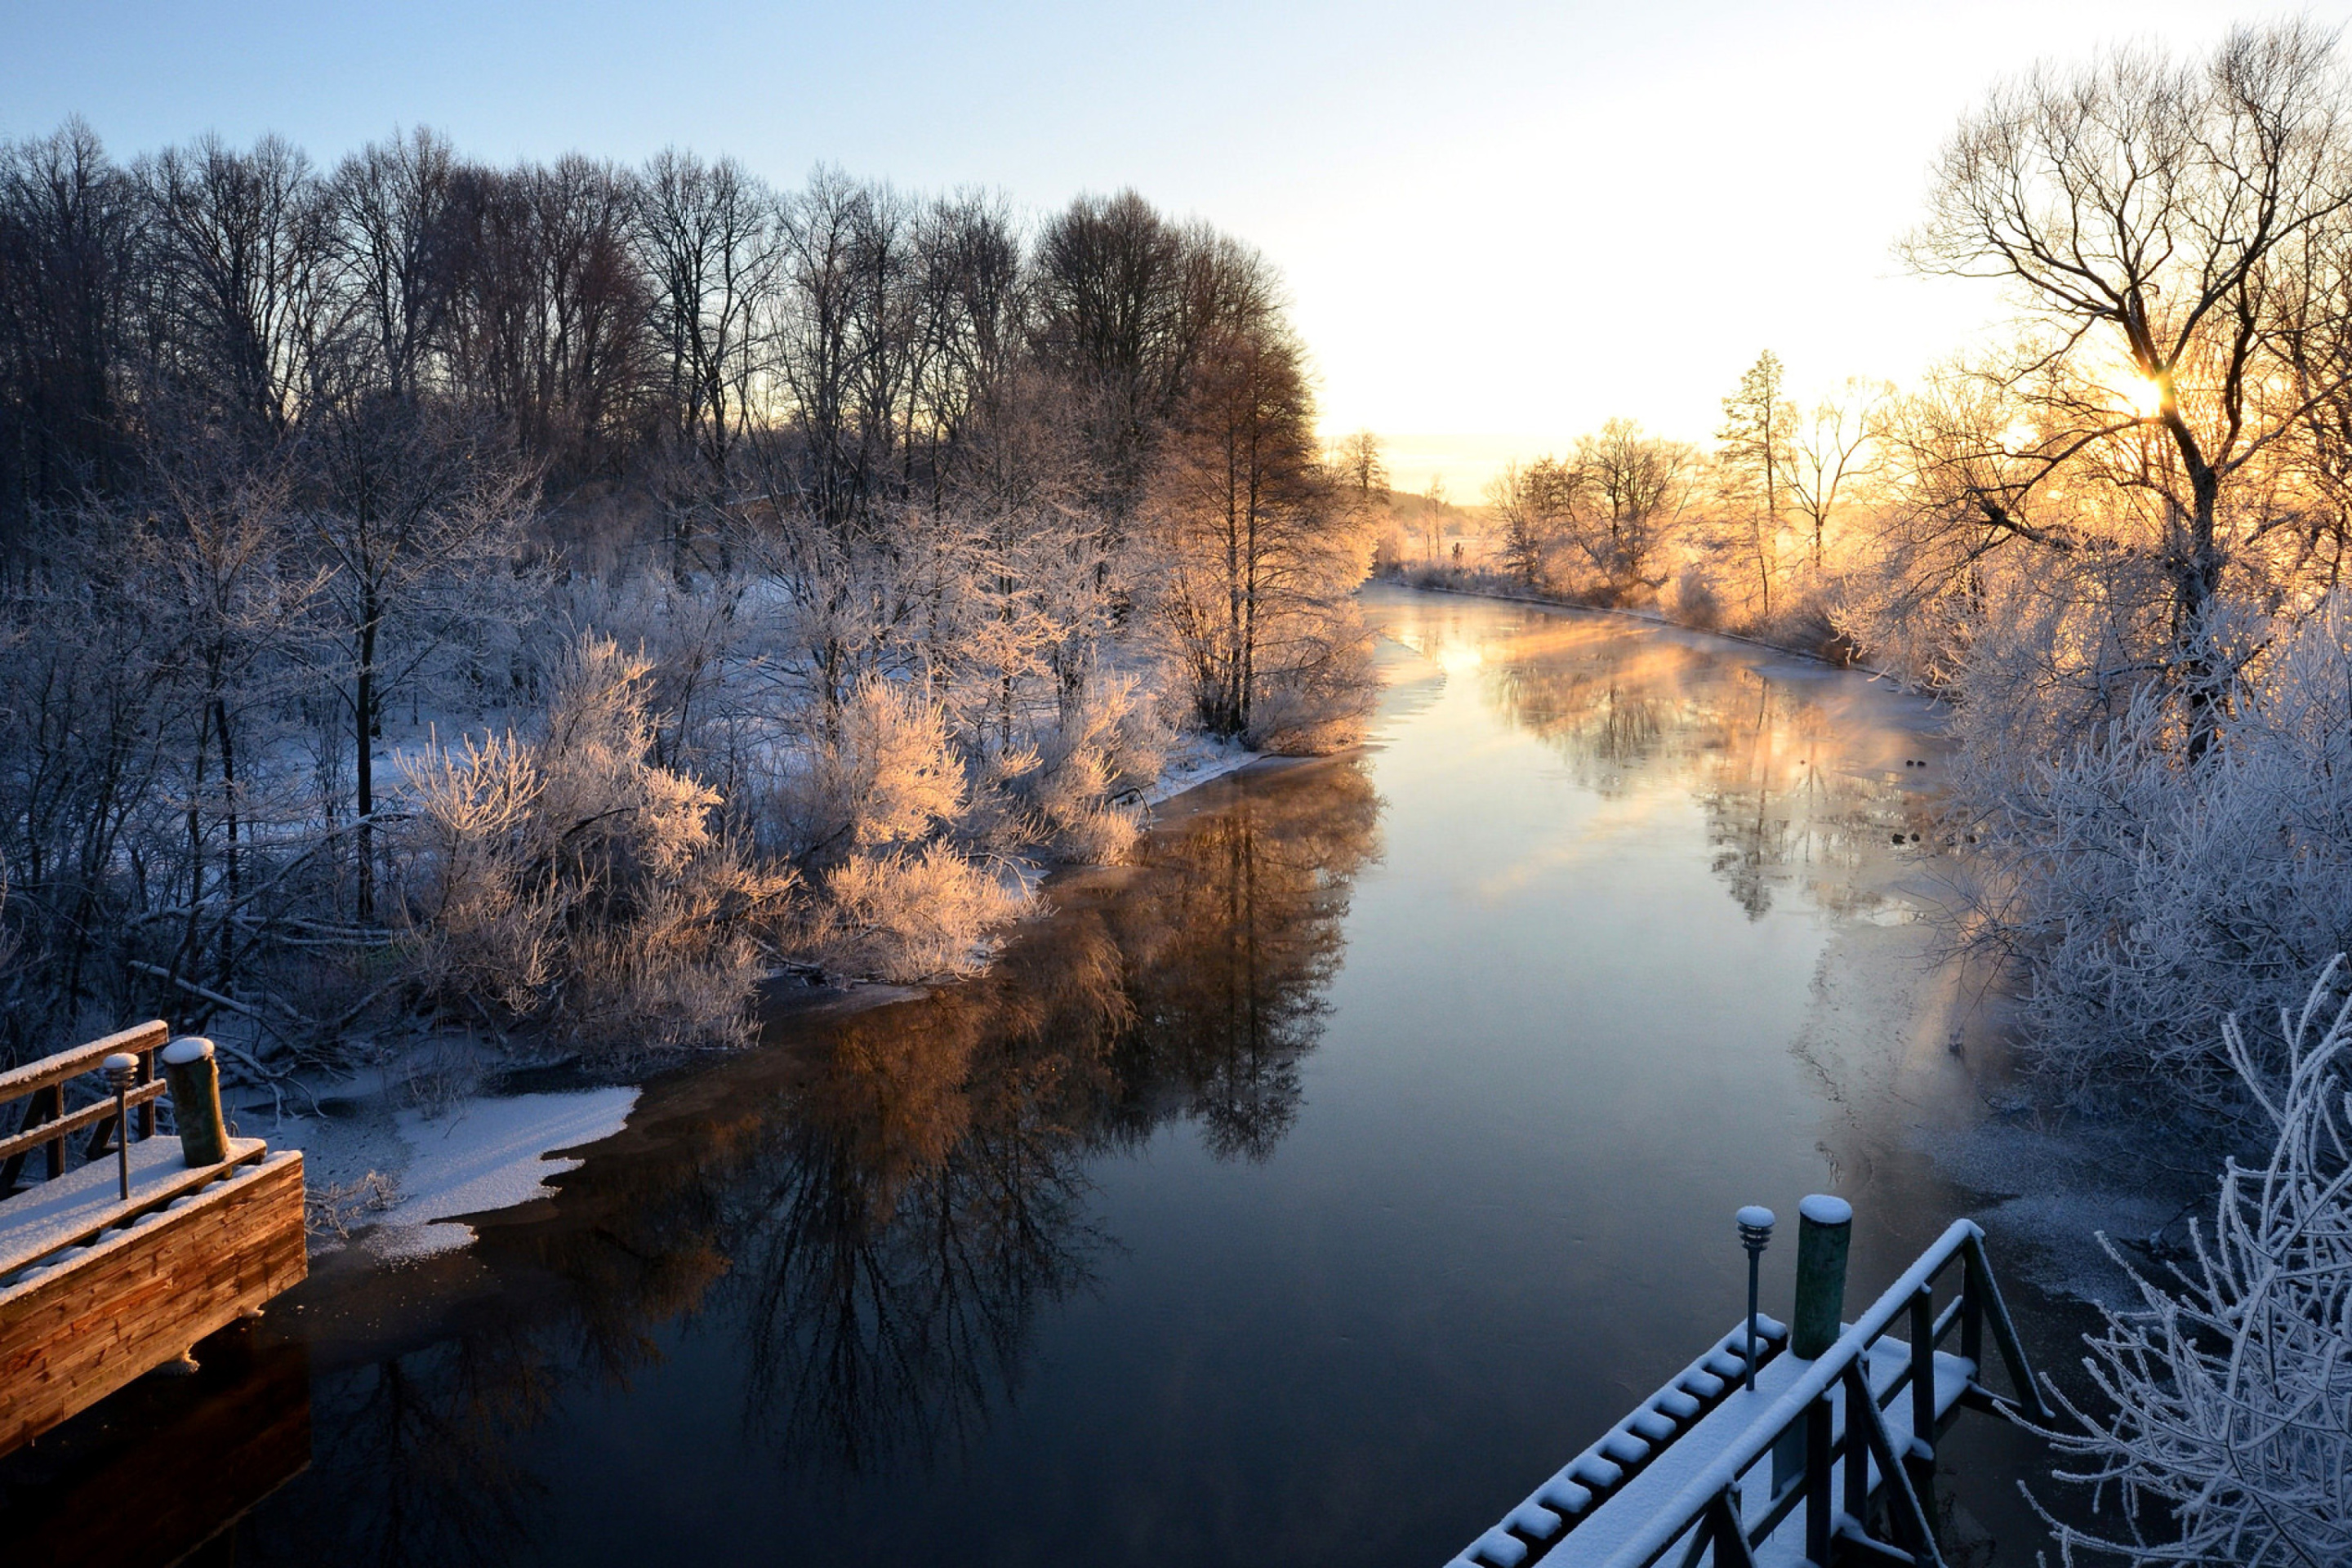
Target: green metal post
x=1824, y=1236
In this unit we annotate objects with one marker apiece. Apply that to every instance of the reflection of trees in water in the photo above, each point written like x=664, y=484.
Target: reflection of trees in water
x=926, y=1197
x=885, y=1201
x=1755, y=754
x=1230, y=959
x=413, y=1459
x=1612, y=709
x=921, y=1198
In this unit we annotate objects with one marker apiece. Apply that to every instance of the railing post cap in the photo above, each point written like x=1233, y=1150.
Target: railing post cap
x=1823, y=1208
x=121, y=1061
x=186, y=1050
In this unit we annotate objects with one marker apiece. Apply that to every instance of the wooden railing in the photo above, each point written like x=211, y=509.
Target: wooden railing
x=47, y=1124
x=113, y=1268
x=1804, y=1435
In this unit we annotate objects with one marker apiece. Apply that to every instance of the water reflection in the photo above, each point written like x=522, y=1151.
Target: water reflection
x=877, y=1210
x=1792, y=788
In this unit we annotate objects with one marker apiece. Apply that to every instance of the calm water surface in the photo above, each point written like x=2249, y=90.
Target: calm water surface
x=1304, y=1193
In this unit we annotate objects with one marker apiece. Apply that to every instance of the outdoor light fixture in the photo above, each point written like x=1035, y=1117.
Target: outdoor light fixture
x=1755, y=1235
x=121, y=1069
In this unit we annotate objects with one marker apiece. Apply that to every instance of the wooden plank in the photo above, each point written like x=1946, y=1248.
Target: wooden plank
x=141, y=1297
x=74, y=1209
x=75, y=1120
x=139, y=1039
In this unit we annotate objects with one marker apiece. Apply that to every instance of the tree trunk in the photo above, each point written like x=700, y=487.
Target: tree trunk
x=365, y=700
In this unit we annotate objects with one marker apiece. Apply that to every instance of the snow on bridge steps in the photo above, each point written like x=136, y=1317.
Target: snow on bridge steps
x=1672, y=1482
x=115, y=1267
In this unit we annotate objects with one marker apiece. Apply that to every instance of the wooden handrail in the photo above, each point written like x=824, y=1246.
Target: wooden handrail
x=137, y=1040
x=73, y=1121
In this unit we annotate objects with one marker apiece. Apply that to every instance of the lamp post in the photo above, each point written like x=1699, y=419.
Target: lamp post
x=1755, y=1233
x=121, y=1069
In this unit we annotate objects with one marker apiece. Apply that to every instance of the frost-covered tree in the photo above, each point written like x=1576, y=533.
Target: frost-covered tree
x=2231, y=1435
x=2141, y=889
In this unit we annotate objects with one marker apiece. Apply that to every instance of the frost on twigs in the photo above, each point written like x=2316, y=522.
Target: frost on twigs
x=334, y=1209
x=2231, y=1439
x=574, y=884
x=2147, y=894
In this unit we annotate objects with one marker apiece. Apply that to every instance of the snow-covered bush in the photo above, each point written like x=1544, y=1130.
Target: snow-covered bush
x=1080, y=787
x=902, y=914
x=2232, y=1436
x=873, y=815
x=1320, y=698
x=877, y=772
x=2147, y=892
x=573, y=884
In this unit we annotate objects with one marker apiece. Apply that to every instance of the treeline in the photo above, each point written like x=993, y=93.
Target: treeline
x=1748, y=535
x=2116, y=538
x=546, y=596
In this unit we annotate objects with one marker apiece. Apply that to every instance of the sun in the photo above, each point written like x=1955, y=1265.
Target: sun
x=2145, y=395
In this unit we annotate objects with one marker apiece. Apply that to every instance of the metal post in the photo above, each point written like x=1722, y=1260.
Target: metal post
x=1755, y=1235
x=1819, y=1519
x=1921, y=1456
x=1824, y=1236
x=121, y=1069
x=1857, y=1452
x=1972, y=1295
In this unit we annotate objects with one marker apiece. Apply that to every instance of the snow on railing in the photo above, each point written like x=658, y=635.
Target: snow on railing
x=1705, y=1509
x=1593, y=1475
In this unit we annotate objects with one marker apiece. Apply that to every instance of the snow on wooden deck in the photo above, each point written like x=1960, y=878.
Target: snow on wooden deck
x=57, y=1214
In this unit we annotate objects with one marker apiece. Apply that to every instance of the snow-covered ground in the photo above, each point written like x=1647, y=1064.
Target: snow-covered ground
x=1193, y=761
x=399, y=1177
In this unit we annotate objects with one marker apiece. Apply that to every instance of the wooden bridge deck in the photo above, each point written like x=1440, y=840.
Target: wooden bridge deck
x=97, y=1289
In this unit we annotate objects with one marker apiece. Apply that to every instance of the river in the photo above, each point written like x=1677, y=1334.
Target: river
x=1304, y=1192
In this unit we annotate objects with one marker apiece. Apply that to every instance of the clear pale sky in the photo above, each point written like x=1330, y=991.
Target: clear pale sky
x=1501, y=223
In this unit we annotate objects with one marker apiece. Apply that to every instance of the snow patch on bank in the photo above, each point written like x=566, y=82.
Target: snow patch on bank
x=1193, y=762
x=485, y=1155
x=474, y=1154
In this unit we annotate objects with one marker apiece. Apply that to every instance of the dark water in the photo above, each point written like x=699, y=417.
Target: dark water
x=1305, y=1193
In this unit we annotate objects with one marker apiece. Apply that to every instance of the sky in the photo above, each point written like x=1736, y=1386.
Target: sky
x=1500, y=224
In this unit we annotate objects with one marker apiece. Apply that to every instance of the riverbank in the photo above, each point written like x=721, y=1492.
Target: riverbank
x=398, y=1155
x=1647, y=618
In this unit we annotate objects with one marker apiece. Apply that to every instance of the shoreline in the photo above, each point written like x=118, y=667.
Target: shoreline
x=401, y=1156
x=1650, y=618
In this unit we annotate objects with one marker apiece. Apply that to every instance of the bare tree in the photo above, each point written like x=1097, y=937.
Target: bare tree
x=1630, y=493
x=398, y=239
x=241, y=299
x=1532, y=503
x=414, y=528
x=1257, y=555
x=67, y=267
x=1362, y=464
x=2154, y=215
x=1828, y=450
